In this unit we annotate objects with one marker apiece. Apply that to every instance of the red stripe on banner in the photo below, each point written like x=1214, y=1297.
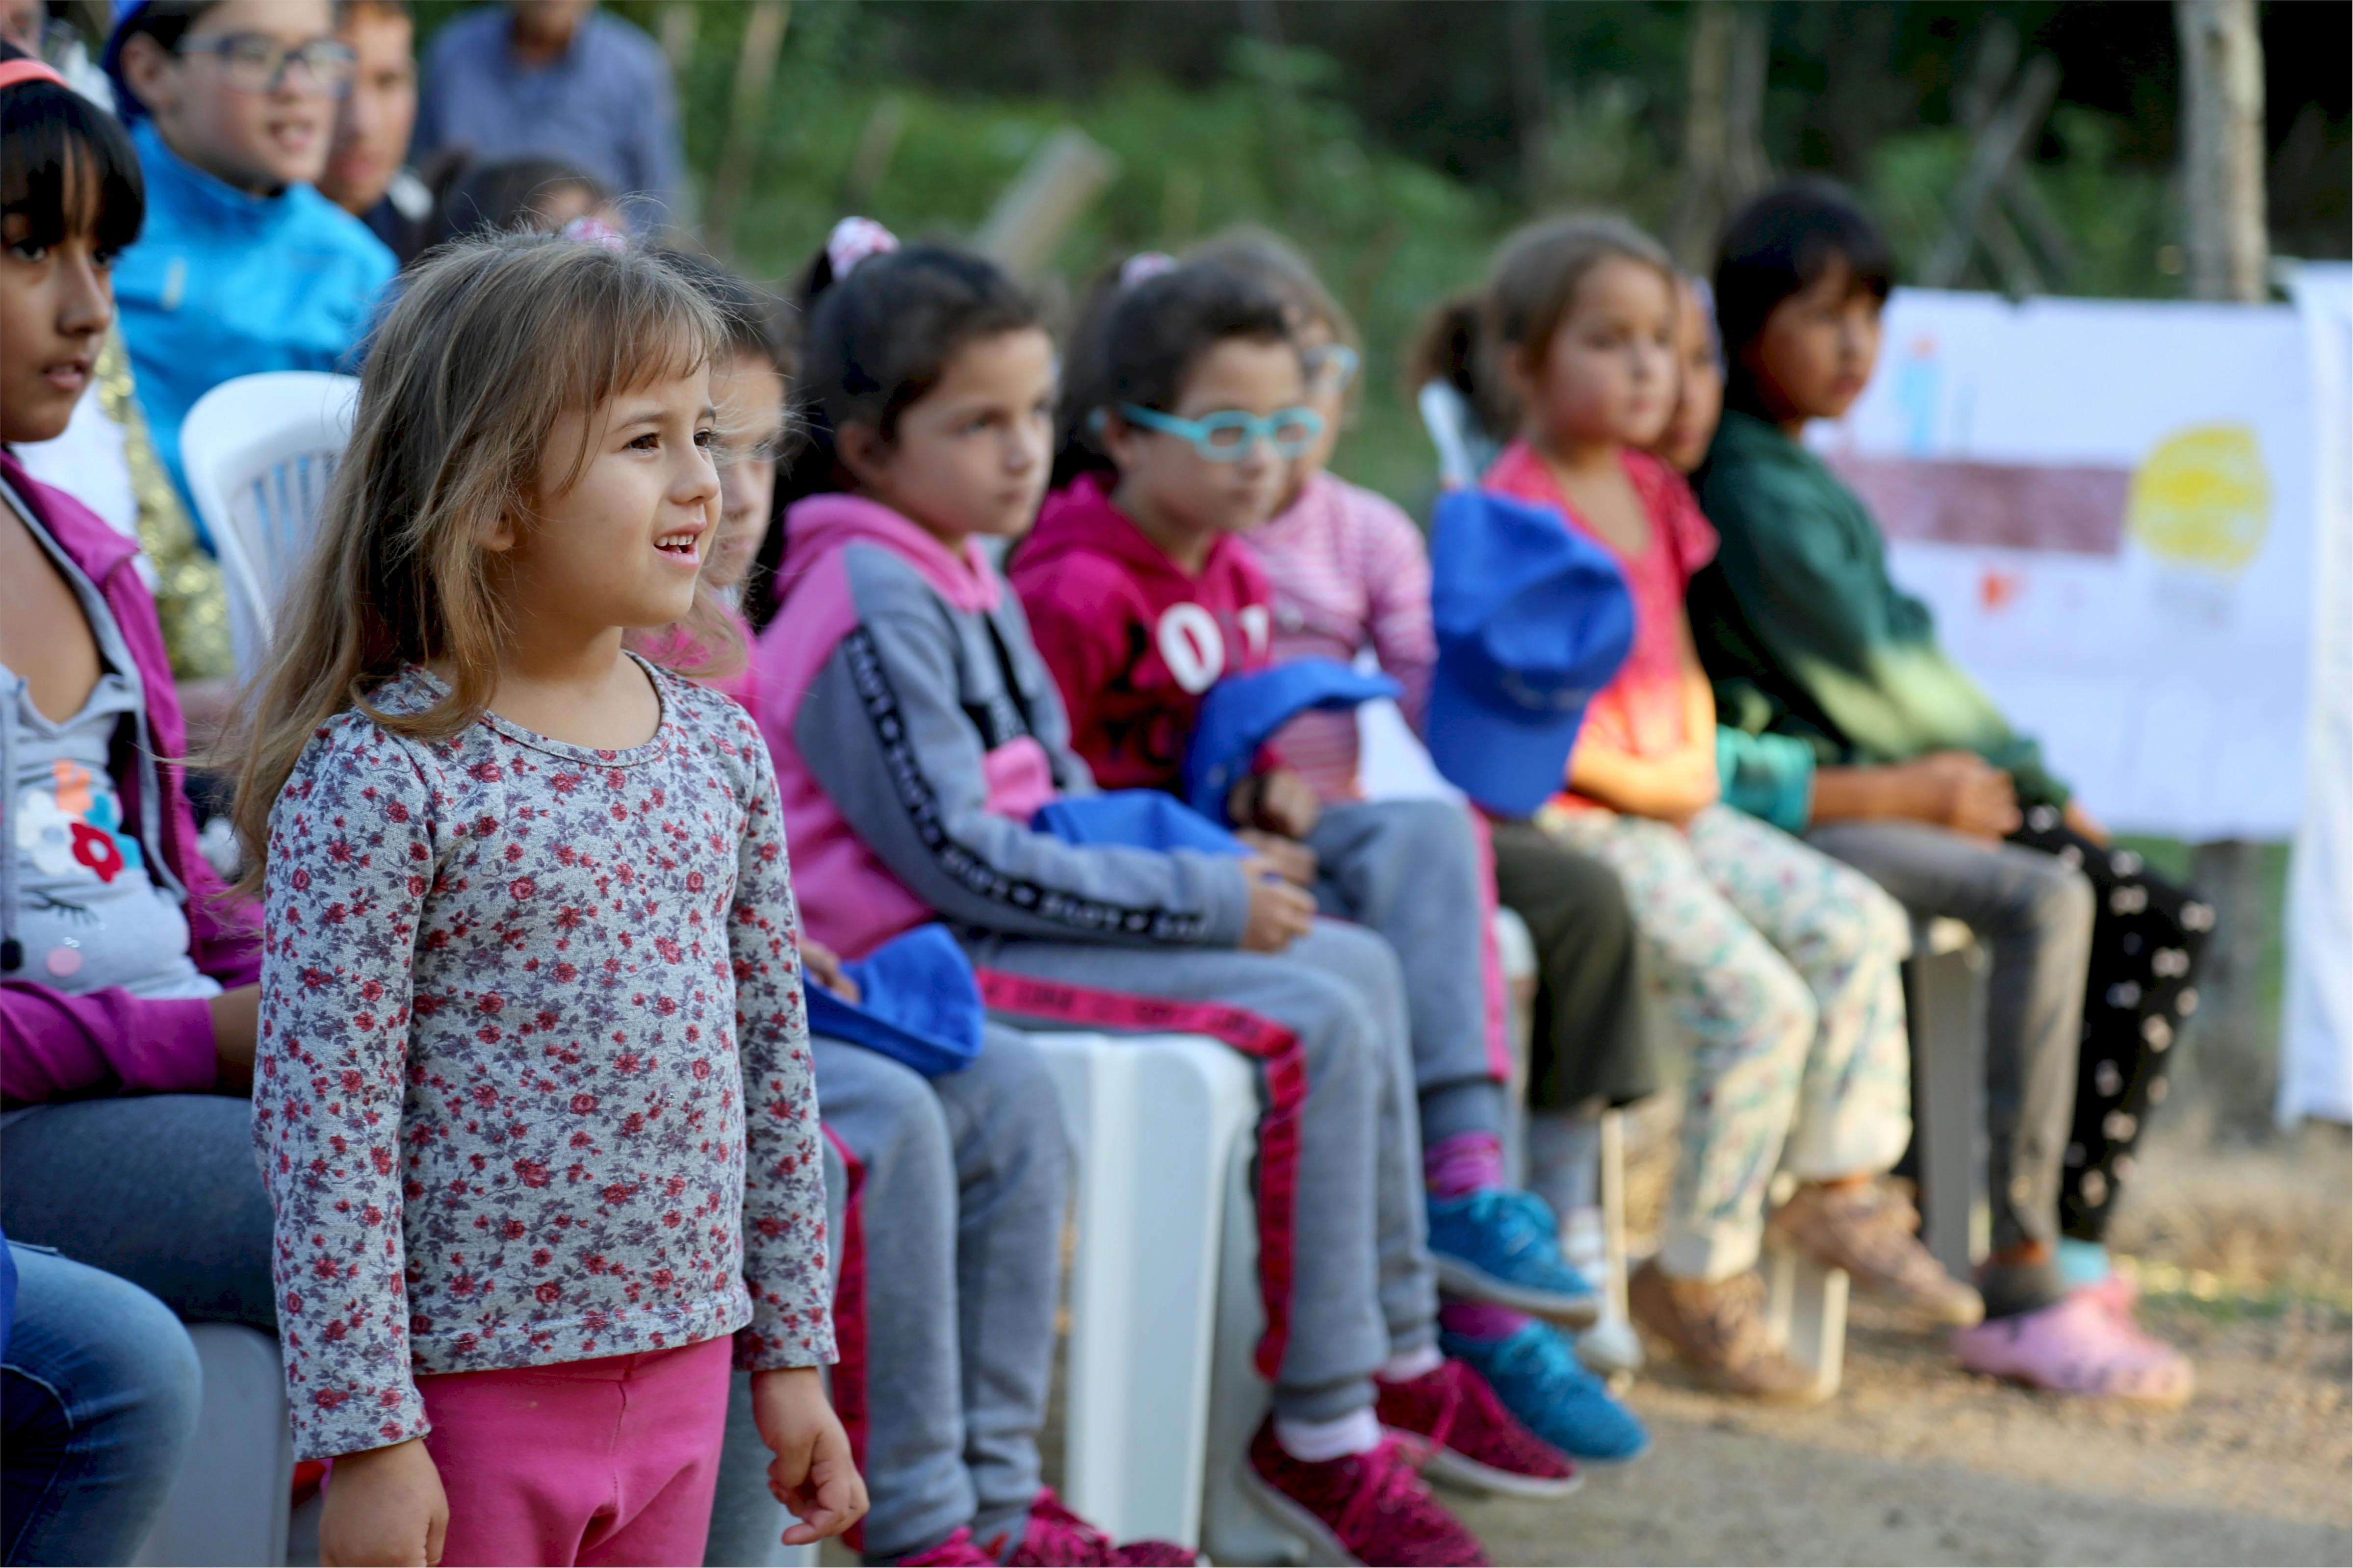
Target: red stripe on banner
x=1284, y=1064
x=850, y=1322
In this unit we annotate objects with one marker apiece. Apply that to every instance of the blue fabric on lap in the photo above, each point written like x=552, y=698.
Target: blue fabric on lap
x=918, y=1003
x=1135, y=820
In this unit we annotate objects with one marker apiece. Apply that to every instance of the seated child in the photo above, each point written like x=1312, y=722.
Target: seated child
x=243, y=266
x=956, y=1185
x=1781, y=964
x=127, y=985
x=1184, y=417
x=1347, y=572
x=1923, y=784
x=916, y=735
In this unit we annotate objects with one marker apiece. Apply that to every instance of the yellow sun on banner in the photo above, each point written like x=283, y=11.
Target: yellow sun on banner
x=2202, y=499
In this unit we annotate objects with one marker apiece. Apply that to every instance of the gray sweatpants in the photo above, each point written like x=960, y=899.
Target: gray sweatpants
x=1409, y=870
x=1344, y=1263
x=747, y=1523
x=2034, y=913
x=950, y=1248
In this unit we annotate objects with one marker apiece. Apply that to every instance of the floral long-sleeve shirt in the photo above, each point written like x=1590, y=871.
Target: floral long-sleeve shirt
x=533, y=1082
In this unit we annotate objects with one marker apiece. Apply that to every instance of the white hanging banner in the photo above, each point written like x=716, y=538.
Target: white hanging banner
x=2317, y=1021
x=2109, y=506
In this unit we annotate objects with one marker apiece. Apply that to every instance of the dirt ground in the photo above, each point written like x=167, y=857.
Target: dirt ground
x=2246, y=1259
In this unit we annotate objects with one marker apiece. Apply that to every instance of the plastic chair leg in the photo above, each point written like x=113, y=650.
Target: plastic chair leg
x=1947, y=1000
x=229, y=1506
x=1806, y=1314
x=1154, y=1121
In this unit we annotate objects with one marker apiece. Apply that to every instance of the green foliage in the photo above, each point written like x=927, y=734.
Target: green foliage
x=1388, y=150
x=1391, y=236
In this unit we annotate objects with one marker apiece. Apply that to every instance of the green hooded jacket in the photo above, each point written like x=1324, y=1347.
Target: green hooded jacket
x=1805, y=635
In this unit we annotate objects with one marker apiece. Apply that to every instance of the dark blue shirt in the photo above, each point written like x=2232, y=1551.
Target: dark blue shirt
x=605, y=105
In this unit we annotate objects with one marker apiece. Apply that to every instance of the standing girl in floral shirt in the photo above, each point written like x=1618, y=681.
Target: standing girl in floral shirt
x=532, y=1096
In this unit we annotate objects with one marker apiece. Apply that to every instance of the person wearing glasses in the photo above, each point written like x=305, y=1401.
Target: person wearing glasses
x=1350, y=573
x=243, y=267
x=1193, y=396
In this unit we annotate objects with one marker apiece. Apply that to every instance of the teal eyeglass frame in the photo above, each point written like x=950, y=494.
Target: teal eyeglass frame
x=1204, y=433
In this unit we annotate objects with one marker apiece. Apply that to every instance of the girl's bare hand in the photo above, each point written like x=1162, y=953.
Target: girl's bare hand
x=812, y=1474
x=383, y=1506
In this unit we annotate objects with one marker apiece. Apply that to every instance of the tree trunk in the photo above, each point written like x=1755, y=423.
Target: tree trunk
x=2229, y=252
x=2228, y=245
x=1724, y=126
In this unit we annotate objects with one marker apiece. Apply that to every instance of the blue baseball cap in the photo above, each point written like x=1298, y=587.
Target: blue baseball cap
x=1135, y=820
x=1532, y=618
x=1241, y=713
x=917, y=1003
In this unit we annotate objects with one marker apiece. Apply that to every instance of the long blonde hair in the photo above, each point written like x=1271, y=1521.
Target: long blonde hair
x=493, y=342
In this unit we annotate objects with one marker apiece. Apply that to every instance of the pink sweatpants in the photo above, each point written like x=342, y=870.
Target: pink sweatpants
x=608, y=1461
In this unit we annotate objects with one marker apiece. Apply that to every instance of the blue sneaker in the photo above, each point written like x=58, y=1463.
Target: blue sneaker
x=1539, y=1379
x=1503, y=1247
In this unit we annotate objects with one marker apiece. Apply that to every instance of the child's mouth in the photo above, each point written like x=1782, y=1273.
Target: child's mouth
x=681, y=547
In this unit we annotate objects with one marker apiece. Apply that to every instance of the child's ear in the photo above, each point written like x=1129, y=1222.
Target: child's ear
x=148, y=69
x=499, y=535
x=861, y=449
x=1119, y=439
x=1518, y=365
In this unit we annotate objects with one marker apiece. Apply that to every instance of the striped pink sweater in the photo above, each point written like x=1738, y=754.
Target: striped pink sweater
x=1350, y=571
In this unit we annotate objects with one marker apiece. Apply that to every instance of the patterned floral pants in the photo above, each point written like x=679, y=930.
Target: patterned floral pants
x=1782, y=967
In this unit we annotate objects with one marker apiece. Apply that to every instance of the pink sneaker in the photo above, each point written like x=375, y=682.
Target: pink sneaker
x=2076, y=1345
x=1469, y=1438
x=956, y=1551
x=1366, y=1508
x=1057, y=1538
x=2116, y=1294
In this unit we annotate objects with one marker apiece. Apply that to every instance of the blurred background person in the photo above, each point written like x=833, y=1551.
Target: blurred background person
x=367, y=163
x=559, y=78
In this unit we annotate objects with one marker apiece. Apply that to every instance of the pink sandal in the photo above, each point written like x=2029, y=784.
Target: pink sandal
x=2078, y=1344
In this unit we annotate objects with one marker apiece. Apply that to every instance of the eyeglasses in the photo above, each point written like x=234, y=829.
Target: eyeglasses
x=1330, y=367
x=255, y=62
x=1230, y=436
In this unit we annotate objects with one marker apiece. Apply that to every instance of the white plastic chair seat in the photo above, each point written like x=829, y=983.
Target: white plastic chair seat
x=229, y=1505
x=260, y=452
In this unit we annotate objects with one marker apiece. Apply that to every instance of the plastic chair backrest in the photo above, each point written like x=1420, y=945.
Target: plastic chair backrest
x=1465, y=451
x=260, y=451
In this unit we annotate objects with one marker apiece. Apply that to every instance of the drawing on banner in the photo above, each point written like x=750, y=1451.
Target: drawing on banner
x=2107, y=506
x=2201, y=499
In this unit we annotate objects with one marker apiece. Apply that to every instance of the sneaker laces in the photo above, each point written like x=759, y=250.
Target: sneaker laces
x=1547, y=1359
x=1875, y=1234
x=1390, y=1482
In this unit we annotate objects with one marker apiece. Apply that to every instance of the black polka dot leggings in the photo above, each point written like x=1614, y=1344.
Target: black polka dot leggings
x=2146, y=940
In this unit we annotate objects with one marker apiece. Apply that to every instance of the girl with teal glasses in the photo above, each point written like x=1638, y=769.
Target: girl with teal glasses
x=1190, y=407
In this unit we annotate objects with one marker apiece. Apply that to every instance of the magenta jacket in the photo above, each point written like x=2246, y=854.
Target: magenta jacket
x=53, y=1045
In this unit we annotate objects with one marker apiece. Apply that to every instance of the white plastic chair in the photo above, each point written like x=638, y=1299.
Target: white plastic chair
x=229, y=1505
x=260, y=452
x=1159, y=1123
x=1945, y=995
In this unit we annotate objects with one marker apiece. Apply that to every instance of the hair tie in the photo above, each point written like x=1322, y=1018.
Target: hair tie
x=16, y=73
x=1144, y=265
x=853, y=240
x=590, y=230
